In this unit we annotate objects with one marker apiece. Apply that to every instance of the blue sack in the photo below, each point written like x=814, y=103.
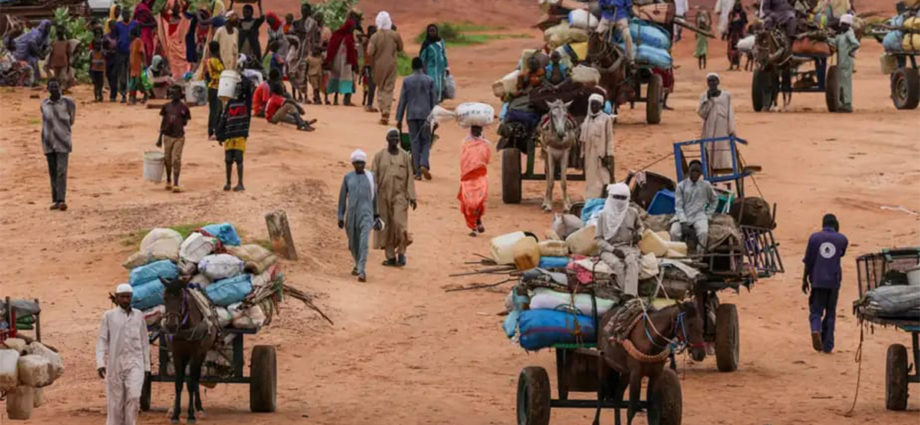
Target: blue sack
x=645, y=33
x=591, y=208
x=229, y=291
x=543, y=328
x=147, y=295
x=153, y=271
x=553, y=262
x=225, y=232
x=892, y=40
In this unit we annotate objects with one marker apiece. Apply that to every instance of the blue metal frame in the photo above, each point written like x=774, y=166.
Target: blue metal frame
x=736, y=172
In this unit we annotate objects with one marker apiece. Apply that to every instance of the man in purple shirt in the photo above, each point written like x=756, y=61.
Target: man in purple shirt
x=822, y=275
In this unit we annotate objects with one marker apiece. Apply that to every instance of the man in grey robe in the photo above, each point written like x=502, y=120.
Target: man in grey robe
x=694, y=203
x=618, y=232
x=718, y=121
x=358, y=211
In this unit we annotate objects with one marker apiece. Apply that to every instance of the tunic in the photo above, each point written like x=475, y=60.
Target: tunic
x=718, y=121
x=229, y=51
x=846, y=45
x=124, y=351
x=395, y=190
x=357, y=207
x=381, y=51
x=474, y=186
x=694, y=204
x=597, y=136
x=435, y=59
x=626, y=269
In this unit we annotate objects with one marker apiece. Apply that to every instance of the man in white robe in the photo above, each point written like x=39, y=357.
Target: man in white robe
x=695, y=202
x=597, y=151
x=718, y=121
x=123, y=357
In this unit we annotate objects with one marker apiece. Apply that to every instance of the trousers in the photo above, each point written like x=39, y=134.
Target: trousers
x=121, y=67
x=123, y=392
x=420, y=137
x=111, y=74
x=57, y=171
x=823, y=302
x=214, y=110
x=700, y=227
x=172, y=150
x=626, y=269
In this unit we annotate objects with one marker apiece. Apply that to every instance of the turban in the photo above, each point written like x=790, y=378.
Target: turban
x=124, y=288
x=846, y=19
x=358, y=156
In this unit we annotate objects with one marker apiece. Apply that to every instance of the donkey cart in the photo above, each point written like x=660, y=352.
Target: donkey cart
x=883, y=269
x=262, y=377
x=578, y=368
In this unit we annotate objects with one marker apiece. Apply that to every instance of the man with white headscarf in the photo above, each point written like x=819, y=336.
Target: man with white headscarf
x=382, y=49
x=718, y=121
x=123, y=357
x=846, y=43
x=694, y=204
x=619, y=229
x=597, y=152
x=392, y=170
x=358, y=211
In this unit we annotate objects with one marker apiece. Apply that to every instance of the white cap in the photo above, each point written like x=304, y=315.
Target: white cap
x=846, y=19
x=713, y=75
x=124, y=288
x=358, y=156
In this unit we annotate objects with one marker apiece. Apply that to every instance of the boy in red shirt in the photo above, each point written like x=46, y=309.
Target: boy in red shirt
x=280, y=108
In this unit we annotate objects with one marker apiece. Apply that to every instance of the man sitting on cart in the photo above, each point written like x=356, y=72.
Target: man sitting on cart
x=619, y=229
x=694, y=203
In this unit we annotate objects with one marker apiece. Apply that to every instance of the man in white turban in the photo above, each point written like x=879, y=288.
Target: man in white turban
x=846, y=43
x=123, y=357
x=382, y=49
x=718, y=121
x=619, y=229
x=597, y=152
x=392, y=171
x=358, y=211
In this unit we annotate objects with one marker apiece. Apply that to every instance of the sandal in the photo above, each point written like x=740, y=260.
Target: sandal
x=390, y=263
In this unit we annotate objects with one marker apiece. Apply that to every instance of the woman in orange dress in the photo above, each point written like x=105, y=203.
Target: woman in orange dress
x=474, y=186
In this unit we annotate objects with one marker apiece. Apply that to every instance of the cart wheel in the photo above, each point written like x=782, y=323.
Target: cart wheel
x=757, y=89
x=511, y=176
x=145, y=394
x=905, y=88
x=263, y=374
x=727, y=338
x=653, y=100
x=533, y=396
x=896, y=378
x=832, y=89
x=667, y=398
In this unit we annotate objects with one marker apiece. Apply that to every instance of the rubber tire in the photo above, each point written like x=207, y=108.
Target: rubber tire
x=145, y=394
x=832, y=88
x=757, y=89
x=910, y=77
x=263, y=374
x=533, y=396
x=727, y=338
x=896, y=378
x=511, y=176
x=653, y=100
x=668, y=397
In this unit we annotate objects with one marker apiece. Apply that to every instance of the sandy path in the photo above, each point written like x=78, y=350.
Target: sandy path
x=402, y=350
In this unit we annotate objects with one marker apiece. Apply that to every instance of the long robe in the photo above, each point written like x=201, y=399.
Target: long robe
x=723, y=8
x=434, y=56
x=597, y=136
x=357, y=207
x=381, y=51
x=395, y=190
x=846, y=44
x=474, y=185
x=624, y=240
x=342, y=57
x=173, y=36
x=694, y=204
x=718, y=121
x=124, y=351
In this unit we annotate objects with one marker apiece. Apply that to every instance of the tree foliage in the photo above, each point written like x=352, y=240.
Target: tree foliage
x=75, y=28
x=335, y=11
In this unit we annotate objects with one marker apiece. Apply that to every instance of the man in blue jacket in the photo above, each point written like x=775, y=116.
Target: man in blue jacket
x=822, y=275
x=416, y=100
x=616, y=13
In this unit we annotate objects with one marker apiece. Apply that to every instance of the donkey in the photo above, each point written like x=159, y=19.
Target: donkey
x=644, y=352
x=559, y=132
x=192, y=335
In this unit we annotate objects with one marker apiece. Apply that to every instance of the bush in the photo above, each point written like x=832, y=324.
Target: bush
x=334, y=11
x=75, y=28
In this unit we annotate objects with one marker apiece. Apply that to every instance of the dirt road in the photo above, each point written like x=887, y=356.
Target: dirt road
x=404, y=351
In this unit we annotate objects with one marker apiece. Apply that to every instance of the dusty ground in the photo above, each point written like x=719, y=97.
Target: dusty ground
x=404, y=351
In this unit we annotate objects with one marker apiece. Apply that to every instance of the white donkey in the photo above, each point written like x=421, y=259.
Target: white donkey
x=559, y=132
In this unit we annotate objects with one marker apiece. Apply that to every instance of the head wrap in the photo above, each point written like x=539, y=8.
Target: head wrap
x=124, y=288
x=713, y=75
x=595, y=97
x=846, y=19
x=614, y=211
x=429, y=40
x=383, y=21
x=392, y=130
x=358, y=156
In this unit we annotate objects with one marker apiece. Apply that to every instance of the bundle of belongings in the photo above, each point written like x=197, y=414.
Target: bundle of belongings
x=240, y=283
x=896, y=298
x=26, y=366
x=904, y=34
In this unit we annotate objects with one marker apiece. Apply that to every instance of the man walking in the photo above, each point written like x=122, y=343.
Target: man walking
x=172, y=136
x=382, y=50
x=416, y=100
x=392, y=171
x=123, y=357
x=718, y=121
x=58, y=115
x=122, y=53
x=822, y=276
x=358, y=211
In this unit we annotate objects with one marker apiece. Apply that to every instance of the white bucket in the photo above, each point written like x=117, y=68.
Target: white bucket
x=227, y=87
x=153, y=166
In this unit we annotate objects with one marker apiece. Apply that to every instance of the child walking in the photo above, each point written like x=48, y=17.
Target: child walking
x=703, y=22
x=215, y=67
x=315, y=74
x=233, y=130
x=97, y=65
x=172, y=136
x=136, y=66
